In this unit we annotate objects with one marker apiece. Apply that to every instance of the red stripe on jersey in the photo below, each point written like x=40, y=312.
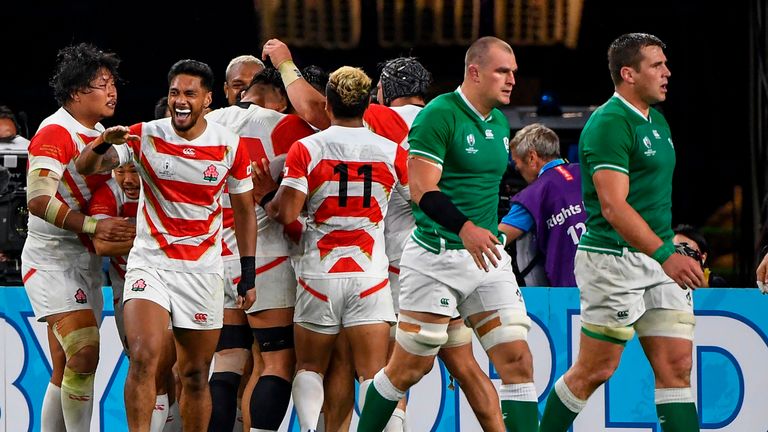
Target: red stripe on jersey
x=354, y=208
x=340, y=238
x=287, y=131
x=293, y=230
x=322, y=297
x=183, y=192
x=270, y=265
x=236, y=280
x=130, y=209
x=94, y=181
x=374, y=288
x=74, y=191
x=564, y=172
x=386, y=122
x=393, y=269
x=179, y=251
x=180, y=227
x=255, y=149
x=28, y=275
x=229, y=218
x=186, y=151
x=297, y=162
x=346, y=265
x=328, y=170
x=53, y=141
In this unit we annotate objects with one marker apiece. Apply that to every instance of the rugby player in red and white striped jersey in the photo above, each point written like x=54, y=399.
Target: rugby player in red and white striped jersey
x=175, y=270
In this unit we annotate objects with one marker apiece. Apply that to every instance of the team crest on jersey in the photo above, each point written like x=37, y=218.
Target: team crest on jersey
x=80, y=296
x=648, y=145
x=139, y=285
x=211, y=174
x=471, y=144
x=167, y=170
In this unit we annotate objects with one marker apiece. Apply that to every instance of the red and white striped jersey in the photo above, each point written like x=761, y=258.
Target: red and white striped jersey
x=399, y=221
x=178, y=225
x=110, y=201
x=348, y=175
x=266, y=134
x=57, y=143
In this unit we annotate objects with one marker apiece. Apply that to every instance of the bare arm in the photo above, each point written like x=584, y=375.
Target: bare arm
x=91, y=162
x=245, y=222
x=612, y=190
x=286, y=206
x=308, y=102
x=112, y=248
x=511, y=232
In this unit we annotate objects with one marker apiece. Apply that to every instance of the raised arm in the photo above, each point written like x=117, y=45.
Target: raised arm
x=99, y=155
x=308, y=102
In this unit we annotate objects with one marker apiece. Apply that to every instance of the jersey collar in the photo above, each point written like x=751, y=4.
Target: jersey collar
x=466, y=102
x=632, y=107
x=551, y=164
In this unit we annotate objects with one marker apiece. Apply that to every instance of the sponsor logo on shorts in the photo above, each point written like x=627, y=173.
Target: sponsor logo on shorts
x=80, y=296
x=211, y=174
x=201, y=318
x=623, y=314
x=444, y=302
x=139, y=285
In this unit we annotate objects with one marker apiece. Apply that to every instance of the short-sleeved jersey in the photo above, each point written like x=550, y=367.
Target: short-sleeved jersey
x=57, y=143
x=386, y=122
x=267, y=134
x=178, y=222
x=348, y=175
x=110, y=201
x=618, y=137
x=473, y=152
x=399, y=221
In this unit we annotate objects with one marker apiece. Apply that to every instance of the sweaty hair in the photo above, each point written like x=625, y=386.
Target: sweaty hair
x=693, y=234
x=625, y=51
x=76, y=66
x=316, y=77
x=271, y=77
x=478, y=51
x=348, y=92
x=403, y=77
x=243, y=59
x=193, y=68
x=536, y=137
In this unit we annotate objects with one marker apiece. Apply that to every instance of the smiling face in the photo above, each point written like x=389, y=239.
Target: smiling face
x=128, y=180
x=238, y=79
x=187, y=100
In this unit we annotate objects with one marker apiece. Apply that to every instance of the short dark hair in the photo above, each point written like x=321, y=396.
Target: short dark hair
x=625, y=51
x=7, y=113
x=315, y=76
x=160, y=107
x=271, y=77
x=348, y=92
x=693, y=234
x=193, y=68
x=76, y=66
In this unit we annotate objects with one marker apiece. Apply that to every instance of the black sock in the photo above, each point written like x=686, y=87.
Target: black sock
x=223, y=387
x=269, y=402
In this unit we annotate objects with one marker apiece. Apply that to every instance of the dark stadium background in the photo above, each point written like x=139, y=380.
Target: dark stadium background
x=708, y=106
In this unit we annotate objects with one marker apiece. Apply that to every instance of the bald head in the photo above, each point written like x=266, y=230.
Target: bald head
x=477, y=53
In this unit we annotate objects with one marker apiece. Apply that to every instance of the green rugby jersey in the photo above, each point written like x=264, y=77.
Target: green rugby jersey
x=619, y=138
x=473, y=153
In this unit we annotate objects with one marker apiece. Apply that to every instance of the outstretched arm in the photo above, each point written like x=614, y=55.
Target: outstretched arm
x=99, y=155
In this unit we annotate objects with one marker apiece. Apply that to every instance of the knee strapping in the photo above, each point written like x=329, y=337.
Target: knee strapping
x=458, y=335
x=274, y=338
x=231, y=360
x=78, y=384
x=78, y=339
x=506, y=325
x=667, y=323
x=617, y=335
x=420, y=338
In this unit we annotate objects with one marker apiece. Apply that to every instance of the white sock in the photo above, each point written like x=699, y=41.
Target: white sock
x=308, y=398
x=385, y=387
x=159, y=414
x=396, y=423
x=673, y=395
x=173, y=422
x=52, y=417
x=568, y=398
x=238, y=418
x=77, y=408
x=361, y=393
x=525, y=392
